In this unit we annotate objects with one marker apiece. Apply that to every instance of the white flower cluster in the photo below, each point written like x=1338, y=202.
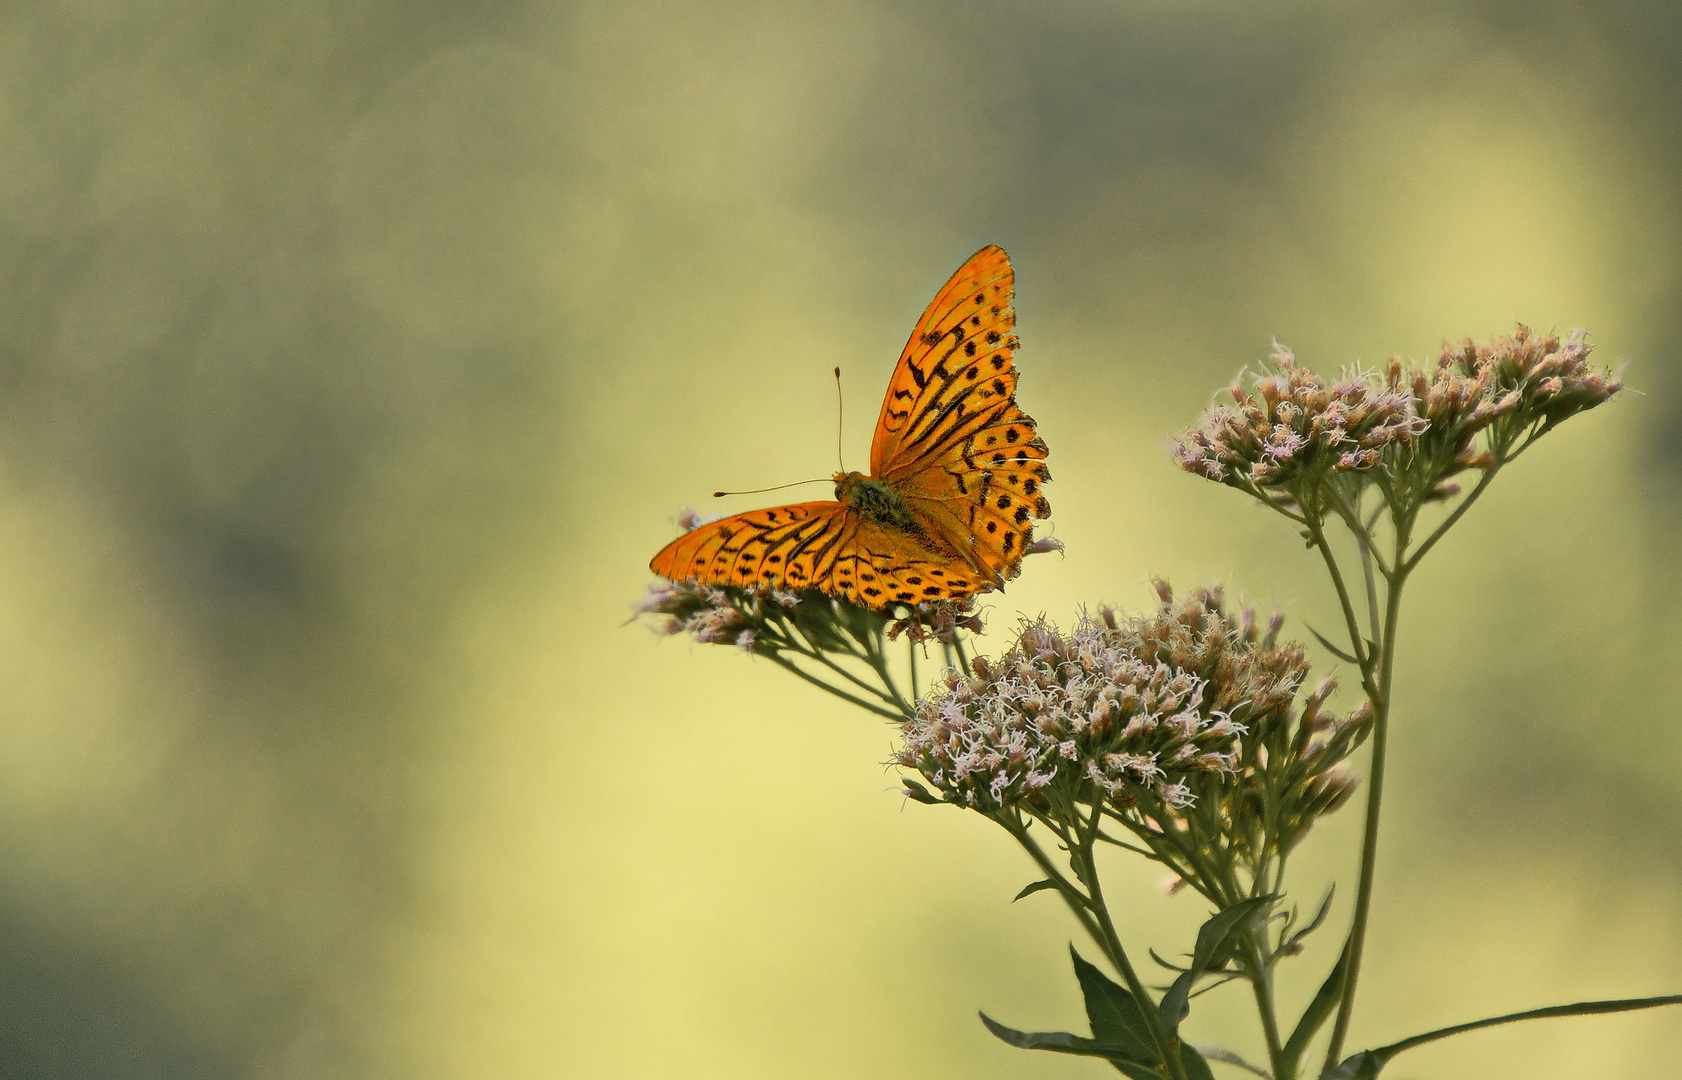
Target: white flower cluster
x=1093, y=708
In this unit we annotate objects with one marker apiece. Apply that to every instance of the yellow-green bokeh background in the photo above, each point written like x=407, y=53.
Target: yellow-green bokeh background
x=355, y=356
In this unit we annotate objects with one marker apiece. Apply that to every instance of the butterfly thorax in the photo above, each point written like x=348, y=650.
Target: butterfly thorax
x=874, y=500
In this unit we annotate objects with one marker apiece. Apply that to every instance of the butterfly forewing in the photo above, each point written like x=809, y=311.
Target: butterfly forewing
x=791, y=547
x=960, y=347
x=966, y=459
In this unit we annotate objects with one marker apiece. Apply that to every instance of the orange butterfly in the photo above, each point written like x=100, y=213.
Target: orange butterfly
x=955, y=475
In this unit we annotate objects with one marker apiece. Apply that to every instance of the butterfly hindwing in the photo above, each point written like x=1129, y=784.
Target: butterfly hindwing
x=880, y=567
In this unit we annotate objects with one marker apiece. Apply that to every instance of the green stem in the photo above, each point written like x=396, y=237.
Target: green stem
x=1261, y=981
x=1072, y=896
x=1168, y=1045
x=958, y=647
x=1351, y=622
x=877, y=659
x=887, y=692
x=1448, y=522
x=876, y=655
x=1375, y=794
x=1363, y=541
x=819, y=654
x=832, y=688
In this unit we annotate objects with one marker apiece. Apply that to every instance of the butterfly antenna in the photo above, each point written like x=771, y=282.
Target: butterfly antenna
x=779, y=487
x=840, y=412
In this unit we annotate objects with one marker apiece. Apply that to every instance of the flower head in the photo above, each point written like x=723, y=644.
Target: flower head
x=712, y=615
x=1190, y=707
x=1413, y=426
x=1294, y=423
x=1538, y=378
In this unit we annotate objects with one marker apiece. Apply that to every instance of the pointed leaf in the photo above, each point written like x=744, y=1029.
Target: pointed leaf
x=1319, y=917
x=1228, y=976
x=1325, y=1000
x=918, y=793
x=1176, y=1003
x=1220, y=937
x=1580, y=1008
x=1033, y=887
x=1293, y=944
x=1362, y=1066
x=1114, y=1013
x=1333, y=649
x=1217, y=939
x=1194, y=1065
x=1062, y=1042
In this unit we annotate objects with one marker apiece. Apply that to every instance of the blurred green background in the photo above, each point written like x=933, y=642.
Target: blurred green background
x=355, y=357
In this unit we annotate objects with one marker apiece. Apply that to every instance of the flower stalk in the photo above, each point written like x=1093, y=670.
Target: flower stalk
x=1312, y=452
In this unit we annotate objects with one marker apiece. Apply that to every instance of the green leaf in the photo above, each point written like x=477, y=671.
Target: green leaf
x=1196, y=1068
x=918, y=793
x=1033, y=887
x=1217, y=940
x=1061, y=1042
x=1318, y=1010
x=1114, y=1013
x=1314, y=923
x=1362, y=1066
x=1176, y=1003
x=1220, y=937
x=1333, y=649
x=1580, y=1008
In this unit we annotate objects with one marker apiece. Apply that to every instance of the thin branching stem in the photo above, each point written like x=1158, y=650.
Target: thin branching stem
x=1363, y=540
x=1375, y=793
x=1358, y=647
x=1454, y=516
x=1078, y=902
x=879, y=663
x=832, y=688
x=887, y=692
x=958, y=647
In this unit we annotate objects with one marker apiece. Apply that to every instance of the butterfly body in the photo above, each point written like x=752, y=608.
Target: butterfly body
x=954, y=484
x=875, y=500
